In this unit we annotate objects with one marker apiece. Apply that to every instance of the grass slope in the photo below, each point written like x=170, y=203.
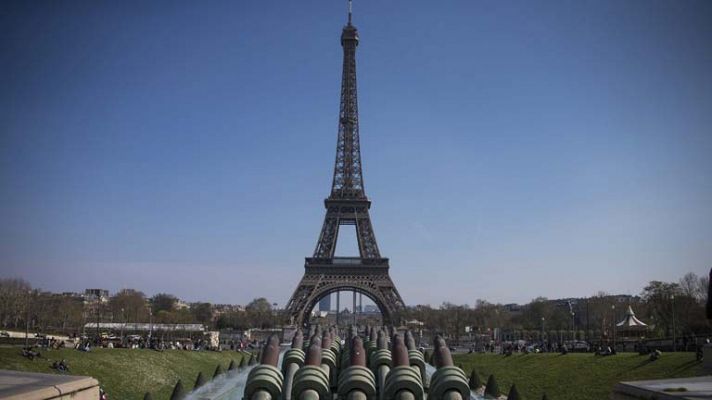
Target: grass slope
x=127, y=374
x=576, y=376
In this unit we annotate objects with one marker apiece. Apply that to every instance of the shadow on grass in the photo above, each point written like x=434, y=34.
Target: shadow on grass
x=643, y=363
x=686, y=366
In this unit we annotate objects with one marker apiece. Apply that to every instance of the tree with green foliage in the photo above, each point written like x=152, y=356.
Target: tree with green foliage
x=199, y=380
x=202, y=313
x=163, y=302
x=513, y=393
x=259, y=313
x=491, y=389
x=178, y=391
x=475, y=381
x=218, y=371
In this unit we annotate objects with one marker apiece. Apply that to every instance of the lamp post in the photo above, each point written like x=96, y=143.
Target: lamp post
x=27, y=319
x=573, y=329
x=613, y=309
x=98, y=316
x=674, y=341
x=542, y=332
x=123, y=322
x=274, y=315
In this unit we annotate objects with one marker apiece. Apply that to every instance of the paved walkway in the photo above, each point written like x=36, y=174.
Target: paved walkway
x=698, y=388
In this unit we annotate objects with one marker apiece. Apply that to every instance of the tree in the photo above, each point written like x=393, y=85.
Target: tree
x=233, y=320
x=13, y=301
x=52, y=312
x=129, y=305
x=259, y=313
x=202, y=313
x=694, y=286
x=657, y=296
x=163, y=302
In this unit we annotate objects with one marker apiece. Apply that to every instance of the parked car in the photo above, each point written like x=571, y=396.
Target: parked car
x=581, y=346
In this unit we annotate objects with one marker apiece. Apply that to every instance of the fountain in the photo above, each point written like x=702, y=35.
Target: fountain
x=368, y=367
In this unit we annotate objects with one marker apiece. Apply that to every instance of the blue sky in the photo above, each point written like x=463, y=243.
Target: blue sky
x=511, y=149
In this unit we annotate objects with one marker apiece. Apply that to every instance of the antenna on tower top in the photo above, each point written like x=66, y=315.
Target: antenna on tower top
x=349, y=12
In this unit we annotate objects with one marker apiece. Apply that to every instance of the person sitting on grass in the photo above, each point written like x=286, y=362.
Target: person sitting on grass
x=60, y=366
x=30, y=353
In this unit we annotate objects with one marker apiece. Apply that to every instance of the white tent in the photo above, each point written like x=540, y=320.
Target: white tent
x=630, y=324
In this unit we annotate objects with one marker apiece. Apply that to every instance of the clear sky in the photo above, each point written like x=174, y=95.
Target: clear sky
x=511, y=148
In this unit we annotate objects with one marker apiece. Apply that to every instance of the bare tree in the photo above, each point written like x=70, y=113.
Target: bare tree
x=13, y=301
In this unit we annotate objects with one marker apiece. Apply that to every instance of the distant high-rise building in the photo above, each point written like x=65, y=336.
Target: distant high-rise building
x=325, y=303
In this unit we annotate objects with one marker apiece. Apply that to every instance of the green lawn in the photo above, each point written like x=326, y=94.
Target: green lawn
x=575, y=376
x=127, y=374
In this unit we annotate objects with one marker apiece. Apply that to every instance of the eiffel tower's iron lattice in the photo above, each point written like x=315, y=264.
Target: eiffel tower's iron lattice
x=346, y=205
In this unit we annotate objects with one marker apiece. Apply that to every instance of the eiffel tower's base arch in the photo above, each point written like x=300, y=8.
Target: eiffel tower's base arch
x=319, y=281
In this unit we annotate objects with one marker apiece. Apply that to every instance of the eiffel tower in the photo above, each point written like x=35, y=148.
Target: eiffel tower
x=346, y=205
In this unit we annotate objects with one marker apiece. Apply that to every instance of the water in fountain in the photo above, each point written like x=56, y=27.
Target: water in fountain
x=228, y=386
x=231, y=385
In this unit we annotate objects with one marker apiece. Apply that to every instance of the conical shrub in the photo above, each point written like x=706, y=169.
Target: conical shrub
x=491, y=390
x=475, y=381
x=514, y=393
x=199, y=381
x=460, y=366
x=253, y=359
x=178, y=391
x=218, y=371
x=428, y=356
x=544, y=397
x=147, y=396
x=232, y=365
x=243, y=362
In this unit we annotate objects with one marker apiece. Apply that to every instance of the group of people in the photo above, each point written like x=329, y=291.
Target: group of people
x=607, y=351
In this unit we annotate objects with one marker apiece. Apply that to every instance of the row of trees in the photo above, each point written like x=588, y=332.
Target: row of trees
x=655, y=305
x=22, y=307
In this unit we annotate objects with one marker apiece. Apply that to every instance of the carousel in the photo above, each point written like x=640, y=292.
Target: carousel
x=631, y=327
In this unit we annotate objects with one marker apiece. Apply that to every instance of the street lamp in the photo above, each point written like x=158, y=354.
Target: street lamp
x=542, y=331
x=573, y=329
x=274, y=315
x=613, y=309
x=27, y=319
x=674, y=342
x=98, y=316
x=123, y=322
